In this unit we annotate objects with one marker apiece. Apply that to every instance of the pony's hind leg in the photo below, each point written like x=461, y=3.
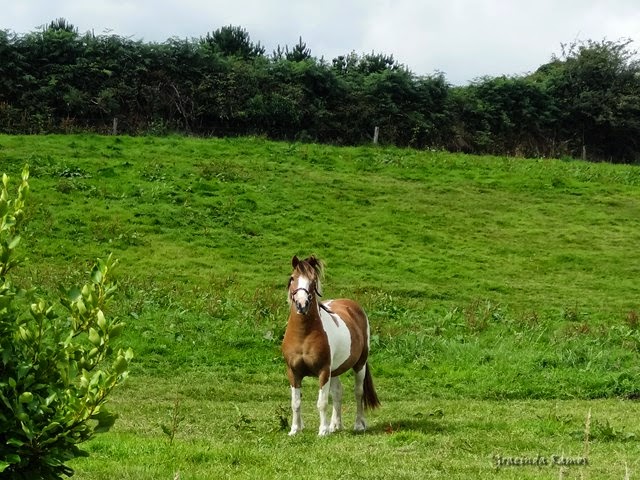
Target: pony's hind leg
x=361, y=424
x=336, y=399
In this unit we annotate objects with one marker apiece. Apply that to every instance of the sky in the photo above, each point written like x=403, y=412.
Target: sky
x=462, y=39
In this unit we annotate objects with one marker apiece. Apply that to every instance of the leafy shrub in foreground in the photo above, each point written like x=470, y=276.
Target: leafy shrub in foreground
x=55, y=371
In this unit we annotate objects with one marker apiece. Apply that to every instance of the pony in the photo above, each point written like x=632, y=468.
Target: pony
x=324, y=340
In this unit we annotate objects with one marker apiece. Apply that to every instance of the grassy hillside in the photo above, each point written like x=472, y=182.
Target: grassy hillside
x=502, y=292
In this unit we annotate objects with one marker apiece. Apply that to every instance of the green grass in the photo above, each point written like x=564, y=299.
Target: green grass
x=502, y=293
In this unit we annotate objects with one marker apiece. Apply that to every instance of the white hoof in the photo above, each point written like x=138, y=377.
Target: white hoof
x=334, y=427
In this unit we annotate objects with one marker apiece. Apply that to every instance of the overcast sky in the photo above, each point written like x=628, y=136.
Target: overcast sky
x=464, y=39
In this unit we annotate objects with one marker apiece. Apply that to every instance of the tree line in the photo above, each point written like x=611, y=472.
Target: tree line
x=583, y=103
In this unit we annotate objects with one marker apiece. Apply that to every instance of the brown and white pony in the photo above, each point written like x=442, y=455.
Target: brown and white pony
x=325, y=340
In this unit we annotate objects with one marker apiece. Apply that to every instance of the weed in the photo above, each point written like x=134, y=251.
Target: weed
x=243, y=421
x=267, y=305
x=604, y=431
x=282, y=415
x=531, y=318
x=633, y=320
x=478, y=315
x=72, y=172
x=572, y=313
x=385, y=306
x=171, y=429
x=587, y=433
x=574, y=329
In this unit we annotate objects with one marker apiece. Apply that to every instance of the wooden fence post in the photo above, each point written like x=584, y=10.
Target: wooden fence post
x=376, y=132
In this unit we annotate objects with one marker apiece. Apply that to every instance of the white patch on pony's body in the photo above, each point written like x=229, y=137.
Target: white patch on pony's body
x=338, y=336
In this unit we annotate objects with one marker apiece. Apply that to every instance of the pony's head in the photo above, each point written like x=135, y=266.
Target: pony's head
x=305, y=282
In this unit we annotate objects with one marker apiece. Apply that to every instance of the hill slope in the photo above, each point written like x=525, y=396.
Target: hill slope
x=485, y=279
x=438, y=228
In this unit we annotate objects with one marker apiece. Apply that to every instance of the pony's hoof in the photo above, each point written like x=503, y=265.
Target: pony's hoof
x=335, y=427
x=323, y=432
x=360, y=427
x=294, y=431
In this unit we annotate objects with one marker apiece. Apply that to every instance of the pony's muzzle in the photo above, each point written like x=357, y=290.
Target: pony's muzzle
x=302, y=307
x=301, y=300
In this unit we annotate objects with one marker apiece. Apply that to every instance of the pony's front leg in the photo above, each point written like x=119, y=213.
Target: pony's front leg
x=323, y=402
x=296, y=402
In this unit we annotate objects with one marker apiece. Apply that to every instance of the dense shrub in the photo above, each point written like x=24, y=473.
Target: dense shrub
x=55, y=370
x=584, y=103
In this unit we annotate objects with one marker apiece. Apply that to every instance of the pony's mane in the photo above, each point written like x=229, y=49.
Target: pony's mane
x=313, y=269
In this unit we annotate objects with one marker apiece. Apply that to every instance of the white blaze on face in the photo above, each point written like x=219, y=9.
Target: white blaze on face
x=338, y=335
x=301, y=296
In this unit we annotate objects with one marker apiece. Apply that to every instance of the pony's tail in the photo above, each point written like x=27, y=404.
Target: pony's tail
x=369, y=396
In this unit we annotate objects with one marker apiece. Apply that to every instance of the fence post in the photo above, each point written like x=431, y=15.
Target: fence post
x=376, y=132
x=115, y=126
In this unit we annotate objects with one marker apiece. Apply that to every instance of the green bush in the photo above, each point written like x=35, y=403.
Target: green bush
x=55, y=370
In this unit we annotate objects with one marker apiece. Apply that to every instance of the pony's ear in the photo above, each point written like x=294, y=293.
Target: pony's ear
x=295, y=261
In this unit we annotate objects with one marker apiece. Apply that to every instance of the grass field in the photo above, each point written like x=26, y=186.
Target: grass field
x=503, y=295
